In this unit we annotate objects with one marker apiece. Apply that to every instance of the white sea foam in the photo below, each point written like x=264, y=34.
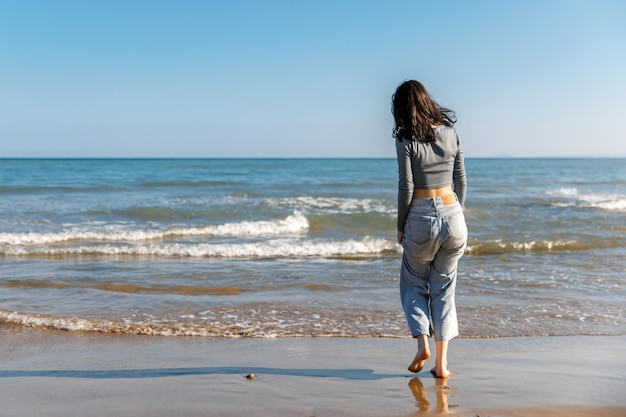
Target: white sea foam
x=614, y=205
x=277, y=248
x=610, y=202
x=604, y=202
x=237, y=324
x=335, y=205
x=565, y=192
x=30, y=320
x=295, y=223
x=499, y=246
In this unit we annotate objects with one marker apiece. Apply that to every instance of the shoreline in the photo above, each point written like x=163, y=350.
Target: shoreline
x=49, y=372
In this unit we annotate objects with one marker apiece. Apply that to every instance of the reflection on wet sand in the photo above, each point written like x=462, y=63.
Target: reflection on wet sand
x=441, y=390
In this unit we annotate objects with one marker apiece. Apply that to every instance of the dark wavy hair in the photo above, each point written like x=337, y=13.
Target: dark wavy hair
x=415, y=112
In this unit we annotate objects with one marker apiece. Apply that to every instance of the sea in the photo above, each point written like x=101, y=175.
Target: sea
x=301, y=247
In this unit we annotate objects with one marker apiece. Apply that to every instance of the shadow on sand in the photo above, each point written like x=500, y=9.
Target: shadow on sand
x=352, y=374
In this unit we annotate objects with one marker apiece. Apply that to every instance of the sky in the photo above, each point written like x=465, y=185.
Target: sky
x=215, y=79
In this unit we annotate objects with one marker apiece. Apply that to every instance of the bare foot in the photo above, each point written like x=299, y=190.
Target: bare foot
x=418, y=361
x=440, y=373
x=441, y=362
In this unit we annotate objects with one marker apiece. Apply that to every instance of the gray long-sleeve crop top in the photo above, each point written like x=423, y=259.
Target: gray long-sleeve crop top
x=429, y=165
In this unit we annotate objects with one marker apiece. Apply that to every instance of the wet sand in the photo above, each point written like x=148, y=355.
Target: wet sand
x=53, y=373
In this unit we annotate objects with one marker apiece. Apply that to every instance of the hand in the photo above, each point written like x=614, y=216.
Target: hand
x=400, y=236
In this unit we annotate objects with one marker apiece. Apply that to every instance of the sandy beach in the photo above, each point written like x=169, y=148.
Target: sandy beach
x=55, y=373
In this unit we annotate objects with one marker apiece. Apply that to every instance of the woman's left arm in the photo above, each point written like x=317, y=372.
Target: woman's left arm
x=405, y=182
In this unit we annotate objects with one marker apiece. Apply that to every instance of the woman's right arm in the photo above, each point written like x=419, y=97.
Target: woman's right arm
x=458, y=176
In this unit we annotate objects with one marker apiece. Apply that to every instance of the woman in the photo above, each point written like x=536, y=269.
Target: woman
x=431, y=224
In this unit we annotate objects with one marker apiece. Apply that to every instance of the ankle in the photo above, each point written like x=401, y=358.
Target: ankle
x=422, y=345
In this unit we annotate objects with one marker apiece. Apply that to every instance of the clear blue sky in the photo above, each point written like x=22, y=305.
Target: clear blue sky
x=307, y=78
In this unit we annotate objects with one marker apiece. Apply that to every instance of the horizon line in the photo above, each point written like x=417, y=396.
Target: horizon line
x=7, y=158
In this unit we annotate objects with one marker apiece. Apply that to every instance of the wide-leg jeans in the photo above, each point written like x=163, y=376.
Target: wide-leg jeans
x=435, y=238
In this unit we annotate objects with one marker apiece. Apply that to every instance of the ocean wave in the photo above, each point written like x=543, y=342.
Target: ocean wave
x=279, y=248
x=609, y=202
x=563, y=192
x=294, y=223
x=293, y=248
x=104, y=326
x=615, y=203
x=282, y=323
x=268, y=321
x=498, y=246
x=335, y=205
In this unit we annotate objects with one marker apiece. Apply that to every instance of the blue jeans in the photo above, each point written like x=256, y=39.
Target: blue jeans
x=435, y=237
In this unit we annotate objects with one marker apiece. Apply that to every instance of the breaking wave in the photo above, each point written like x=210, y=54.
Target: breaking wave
x=499, y=246
x=609, y=202
x=274, y=323
x=278, y=248
x=294, y=223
